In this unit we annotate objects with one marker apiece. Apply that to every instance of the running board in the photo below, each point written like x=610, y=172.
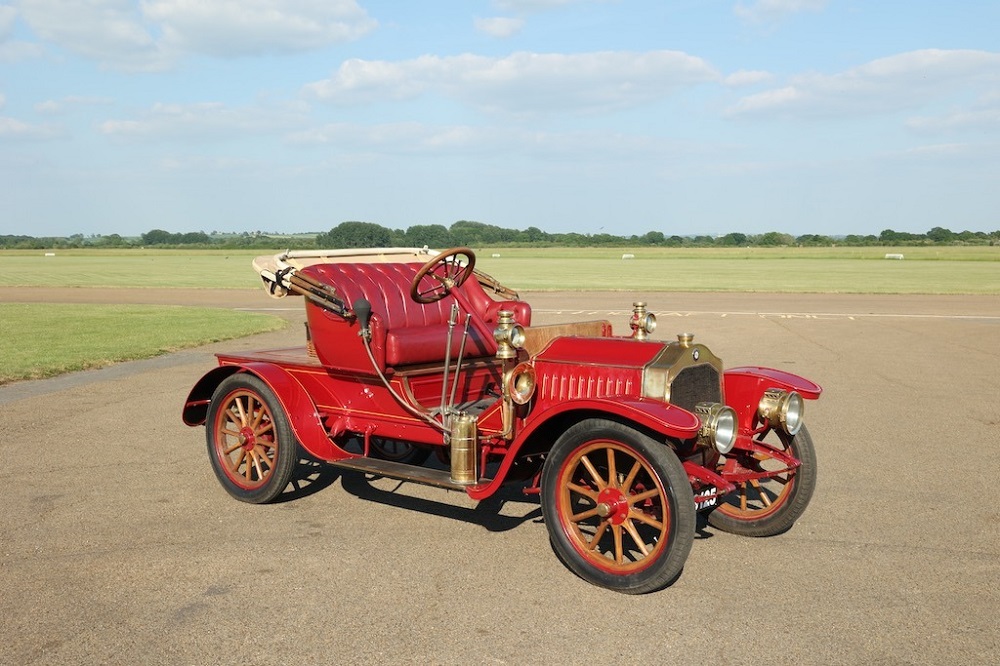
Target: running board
x=438, y=478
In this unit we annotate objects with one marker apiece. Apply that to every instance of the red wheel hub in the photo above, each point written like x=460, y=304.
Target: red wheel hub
x=611, y=504
x=247, y=439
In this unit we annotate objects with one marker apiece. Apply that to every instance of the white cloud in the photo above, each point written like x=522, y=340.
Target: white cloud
x=11, y=128
x=534, y=5
x=7, y=16
x=110, y=31
x=773, y=10
x=896, y=83
x=500, y=27
x=207, y=120
x=55, y=106
x=414, y=138
x=521, y=83
x=746, y=77
x=11, y=49
x=983, y=120
x=152, y=34
x=248, y=27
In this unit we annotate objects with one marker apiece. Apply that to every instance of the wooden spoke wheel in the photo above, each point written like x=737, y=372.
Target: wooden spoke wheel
x=770, y=495
x=440, y=275
x=250, y=443
x=618, y=507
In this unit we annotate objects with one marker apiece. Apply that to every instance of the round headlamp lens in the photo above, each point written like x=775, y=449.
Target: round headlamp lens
x=792, y=413
x=517, y=336
x=718, y=426
x=725, y=430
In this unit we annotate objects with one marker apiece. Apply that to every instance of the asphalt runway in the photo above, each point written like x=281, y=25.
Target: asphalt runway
x=118, y=545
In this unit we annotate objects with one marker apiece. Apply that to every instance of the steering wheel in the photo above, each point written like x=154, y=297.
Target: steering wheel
x=448, y=270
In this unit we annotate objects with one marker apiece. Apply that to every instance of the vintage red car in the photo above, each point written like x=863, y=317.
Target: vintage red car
x=410, y=352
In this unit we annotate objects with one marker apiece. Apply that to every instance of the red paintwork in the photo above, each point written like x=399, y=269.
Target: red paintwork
x=335, y=395
x=745, y=385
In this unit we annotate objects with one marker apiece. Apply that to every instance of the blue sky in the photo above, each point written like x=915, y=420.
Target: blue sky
x=617, y=116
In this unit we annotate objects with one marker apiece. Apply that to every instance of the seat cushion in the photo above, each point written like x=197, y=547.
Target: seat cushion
x=426, y=344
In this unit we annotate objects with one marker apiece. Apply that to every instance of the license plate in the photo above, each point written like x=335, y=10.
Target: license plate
x=706, y=498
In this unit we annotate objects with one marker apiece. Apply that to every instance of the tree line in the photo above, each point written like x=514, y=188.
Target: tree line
x=354, y=234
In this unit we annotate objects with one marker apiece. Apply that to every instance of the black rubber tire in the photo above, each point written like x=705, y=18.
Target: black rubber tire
x=273, y=453
x=786, y=507
x=667, y=524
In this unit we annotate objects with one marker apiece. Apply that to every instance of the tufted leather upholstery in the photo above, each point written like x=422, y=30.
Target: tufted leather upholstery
x=405, y=332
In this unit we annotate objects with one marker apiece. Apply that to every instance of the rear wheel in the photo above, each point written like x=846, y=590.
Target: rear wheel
x=250, y=442
x=775, y=495
x=618, y=507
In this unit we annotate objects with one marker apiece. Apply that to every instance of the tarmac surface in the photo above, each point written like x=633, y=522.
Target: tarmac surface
x=118, y=545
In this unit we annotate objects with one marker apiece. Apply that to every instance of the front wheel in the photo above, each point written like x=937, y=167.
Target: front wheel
x=250, y=442
x=618, y=507
x=770, y=495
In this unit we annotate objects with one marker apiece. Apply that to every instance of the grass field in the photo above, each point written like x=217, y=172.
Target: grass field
x=41, y=340
x=925, y=270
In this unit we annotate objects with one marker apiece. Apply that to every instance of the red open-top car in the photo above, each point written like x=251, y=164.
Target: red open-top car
x=410, y=352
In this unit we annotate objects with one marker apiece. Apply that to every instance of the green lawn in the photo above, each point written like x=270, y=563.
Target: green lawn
x=41, y=340
x=925, y=270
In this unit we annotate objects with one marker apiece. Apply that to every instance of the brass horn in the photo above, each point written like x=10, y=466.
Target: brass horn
x=520, y=383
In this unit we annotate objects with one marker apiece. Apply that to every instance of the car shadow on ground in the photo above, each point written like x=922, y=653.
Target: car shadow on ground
x=310, y=476
x=487, y=513
x=313, y=475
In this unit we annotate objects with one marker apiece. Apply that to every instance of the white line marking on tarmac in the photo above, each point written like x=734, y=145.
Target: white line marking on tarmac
x=696, y=313
x=784, y=315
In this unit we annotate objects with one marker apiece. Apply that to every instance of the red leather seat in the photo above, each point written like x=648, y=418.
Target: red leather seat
x=405, y=332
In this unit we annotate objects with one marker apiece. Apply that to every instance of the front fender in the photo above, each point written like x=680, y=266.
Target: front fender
x=298, y=406
x=745, y=386
x=655, y=415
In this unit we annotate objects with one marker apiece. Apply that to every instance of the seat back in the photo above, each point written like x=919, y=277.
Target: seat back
x=404, y=332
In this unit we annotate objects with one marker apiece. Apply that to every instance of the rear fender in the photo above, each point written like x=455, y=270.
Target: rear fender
x=299, y=407
x=745, y=386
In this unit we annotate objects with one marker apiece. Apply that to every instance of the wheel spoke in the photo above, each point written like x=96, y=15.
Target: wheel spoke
x=630, y=479
x=642, y=497
x=232, y=448
x=256, y=465
x=262, y=456
x=612, y=471
x=258, y=418
x=235, y=464
x=583, y=490
x=594, y=474
x=644, y=517
x=743, y=497
x=248, y=467
x=269, y=426
x=761, y=492
x=241, y=463
x=634, y=533
x=616, y=530
x=577, y=517
x=240, y=411
x=601, y=529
